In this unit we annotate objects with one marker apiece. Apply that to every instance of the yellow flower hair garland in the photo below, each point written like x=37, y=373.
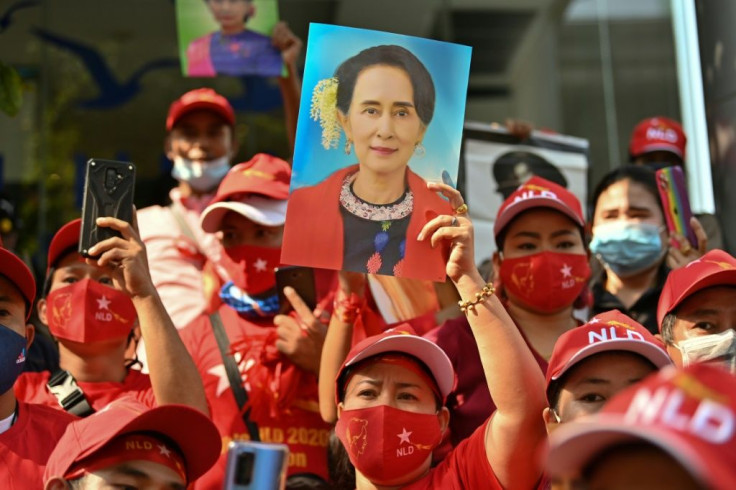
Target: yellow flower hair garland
x=324, y=109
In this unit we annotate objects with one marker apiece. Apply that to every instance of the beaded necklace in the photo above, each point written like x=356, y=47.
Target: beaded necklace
x=383, y=214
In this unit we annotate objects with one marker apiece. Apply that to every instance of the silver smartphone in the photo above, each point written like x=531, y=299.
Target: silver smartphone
x=256, y=466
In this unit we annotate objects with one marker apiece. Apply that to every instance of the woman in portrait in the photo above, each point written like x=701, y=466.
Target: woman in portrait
x=234, y=49
x=366, y=217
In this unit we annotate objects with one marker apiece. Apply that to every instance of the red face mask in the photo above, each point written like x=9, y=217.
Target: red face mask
x=88, y=311
x=546, y=281
x=385, y=443
x=252, y=268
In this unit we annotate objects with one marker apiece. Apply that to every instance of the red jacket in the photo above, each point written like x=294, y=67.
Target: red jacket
x=313, y=235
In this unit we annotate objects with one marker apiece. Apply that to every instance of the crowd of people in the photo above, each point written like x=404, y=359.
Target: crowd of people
x=173, y=340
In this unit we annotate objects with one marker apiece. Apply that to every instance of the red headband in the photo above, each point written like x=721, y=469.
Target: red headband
x=130, y=447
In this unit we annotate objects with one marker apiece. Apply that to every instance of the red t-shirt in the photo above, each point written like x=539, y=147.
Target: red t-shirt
x=26, y=446
x=465, y=467
x=31, y=388
x=298, y=425
x=471, y=403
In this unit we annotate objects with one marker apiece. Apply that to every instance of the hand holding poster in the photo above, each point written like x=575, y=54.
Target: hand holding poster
x=227, y=37
x=381, y=115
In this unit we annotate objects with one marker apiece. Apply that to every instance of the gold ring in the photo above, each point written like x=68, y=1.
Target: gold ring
x=686, y=248
x=462, y=209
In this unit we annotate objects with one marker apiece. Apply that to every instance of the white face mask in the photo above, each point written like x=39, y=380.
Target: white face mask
x=202, y=176
x=718, y=347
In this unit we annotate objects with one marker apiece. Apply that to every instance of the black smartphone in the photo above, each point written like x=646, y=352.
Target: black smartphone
x=299, y=278
x=108, y=191
x=256, y=466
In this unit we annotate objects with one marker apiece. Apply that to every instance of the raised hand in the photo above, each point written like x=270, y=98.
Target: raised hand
x=457, y=230
x=125, y=257
x=301, y=335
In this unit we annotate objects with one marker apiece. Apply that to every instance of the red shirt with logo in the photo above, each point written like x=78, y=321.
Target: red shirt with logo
x=25, y=447
x=31, y=388
x=283, y=397
x=465, y=467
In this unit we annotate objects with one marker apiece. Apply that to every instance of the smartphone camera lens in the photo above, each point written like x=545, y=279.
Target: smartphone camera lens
x=244, y=469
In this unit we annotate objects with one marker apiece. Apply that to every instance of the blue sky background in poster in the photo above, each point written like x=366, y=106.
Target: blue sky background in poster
x=449, y=66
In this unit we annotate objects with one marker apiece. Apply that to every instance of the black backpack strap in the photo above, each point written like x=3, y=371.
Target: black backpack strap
x=233, y=374
x=68, y=393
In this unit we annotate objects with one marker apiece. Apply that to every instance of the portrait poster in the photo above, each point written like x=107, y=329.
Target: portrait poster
x=495, y=163
x=227, y=37
x=381, y=115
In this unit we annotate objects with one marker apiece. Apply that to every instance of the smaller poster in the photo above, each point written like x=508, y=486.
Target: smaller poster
x=227, y=37
x=381, y=115
x=495, y=163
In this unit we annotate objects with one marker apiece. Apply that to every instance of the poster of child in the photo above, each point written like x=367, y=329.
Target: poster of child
x=227, y=37
x=381, y=115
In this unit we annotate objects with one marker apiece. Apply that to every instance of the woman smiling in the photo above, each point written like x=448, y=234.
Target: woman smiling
x=369, y=213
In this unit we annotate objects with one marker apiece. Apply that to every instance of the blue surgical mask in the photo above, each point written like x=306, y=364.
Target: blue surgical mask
x=627, y=248
x=201, y=176
x=12, y=357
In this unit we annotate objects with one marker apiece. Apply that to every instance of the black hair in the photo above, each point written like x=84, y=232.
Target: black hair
x=640, y=174
x=342, y=379
x=339, y=467
x=388, y=55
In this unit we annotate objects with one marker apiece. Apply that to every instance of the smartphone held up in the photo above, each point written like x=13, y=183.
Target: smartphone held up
x=108, y=192
x=675, y=202
x=256, y=466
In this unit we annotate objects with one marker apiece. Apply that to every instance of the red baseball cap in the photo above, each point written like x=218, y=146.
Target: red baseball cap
x=402, y=340
x=658, y=134
x=257, y=189
x=193, y=432
x=64, y=239
x=538, y=193
x=18, y=273
x=606, y=332
x=688, y=413
x=715, y=268
x=200, y=99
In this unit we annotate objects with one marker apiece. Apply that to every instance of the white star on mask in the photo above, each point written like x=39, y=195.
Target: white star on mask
x=164, y=450
x=404, y=436
x=103, y=303
x=566, y=271
x=260, y=265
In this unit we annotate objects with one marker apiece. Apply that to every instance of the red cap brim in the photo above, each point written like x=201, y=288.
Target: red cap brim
x=18, y=273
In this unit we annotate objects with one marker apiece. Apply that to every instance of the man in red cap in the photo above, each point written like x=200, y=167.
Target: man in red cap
x=274, y=357
x=129, y=445
x=697, y=311
x=28, y=432
x=201, y=142
x=541, y=270
x=675, y=430
x=91, y=307
x=659, y=142
x=593, y=362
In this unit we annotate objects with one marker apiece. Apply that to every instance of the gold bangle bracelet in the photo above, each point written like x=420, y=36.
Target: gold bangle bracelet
x=480, y=296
